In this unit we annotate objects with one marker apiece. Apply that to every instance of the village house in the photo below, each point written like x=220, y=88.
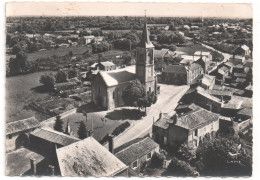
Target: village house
x=244, y=114
x=188, y=128
x=89, y=158
x=107, y=86
x=207, y=101
x=18, y=132
x=180, y=74
x=207, y=82
x=106, y=66
x=138, y=153
x=46, y=141
x=243, y=50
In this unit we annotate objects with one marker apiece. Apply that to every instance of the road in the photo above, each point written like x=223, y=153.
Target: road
x=167, y=102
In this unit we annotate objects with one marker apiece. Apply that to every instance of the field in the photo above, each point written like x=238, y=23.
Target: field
x=58, y=52
x=190, y=49
x=19, y=93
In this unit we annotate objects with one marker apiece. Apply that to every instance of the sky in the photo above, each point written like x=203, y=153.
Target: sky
x=223, y=10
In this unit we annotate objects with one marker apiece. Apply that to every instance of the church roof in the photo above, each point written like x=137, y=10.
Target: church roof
x=113, y=78
x=145, y=41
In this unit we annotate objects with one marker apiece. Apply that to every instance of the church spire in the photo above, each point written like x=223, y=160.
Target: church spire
x=145, y=41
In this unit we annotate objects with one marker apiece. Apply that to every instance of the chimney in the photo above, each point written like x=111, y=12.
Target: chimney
x=90, y=133
x=176, y=116
x=33, y=165
x=52, y=169
x=111, y=143
x=160, y=115
x=210, y=107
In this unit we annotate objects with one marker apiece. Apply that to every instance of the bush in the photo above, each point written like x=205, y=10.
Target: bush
x=180, y=168
x=157, y=160
x=119, y=129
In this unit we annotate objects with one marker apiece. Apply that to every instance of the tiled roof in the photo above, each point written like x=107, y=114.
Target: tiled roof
x=207, y=79
x=243, y=75
x=201, y=53
x=204, y=93
x=113, y=78
x=21, y=125
x=94, y=65
x=179, y=69
x=136, y=150
x=245, y=111
x=160, y=53
x=54, y=136
x=88, y=158
x=220, y=92
x=195, y=66
x=196, y=118
x=107, y=63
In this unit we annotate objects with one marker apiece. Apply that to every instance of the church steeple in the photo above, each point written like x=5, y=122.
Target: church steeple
x=145, y=41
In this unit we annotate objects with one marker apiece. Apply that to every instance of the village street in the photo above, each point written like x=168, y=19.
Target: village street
x=167, y=102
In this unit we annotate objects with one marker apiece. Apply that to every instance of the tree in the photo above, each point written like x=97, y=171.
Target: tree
x=48, y=81
x=18, y=64
x=82, y=130
x=61, y=76
x=72, y=73
x=58, y=124
x=157, y=160
x=216, y=56
x=224, y=156
x=132, y=93
x=16, y=49
x=180, y=168
x=186, y=153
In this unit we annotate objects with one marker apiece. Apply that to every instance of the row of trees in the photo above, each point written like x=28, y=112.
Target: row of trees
x=61, y=76
x=175, y=38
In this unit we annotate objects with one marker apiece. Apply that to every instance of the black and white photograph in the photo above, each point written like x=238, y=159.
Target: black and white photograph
x=128, y=89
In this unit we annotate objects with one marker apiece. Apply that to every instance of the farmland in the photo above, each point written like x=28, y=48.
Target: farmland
x=57, y=52
x=20, y=92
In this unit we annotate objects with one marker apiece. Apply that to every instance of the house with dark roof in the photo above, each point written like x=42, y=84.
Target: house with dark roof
x=138, y=153
x=89, y=158
x=46, y=141
x=181, y=74
x=17, y=133
x=244, y=114
x=106, y=66
x=189, y=128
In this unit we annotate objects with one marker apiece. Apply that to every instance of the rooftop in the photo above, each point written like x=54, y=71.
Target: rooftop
x=245, y=111
x=204, y=93
x=21, y=125
x=160, y=53
x=54, y=136
x=207, y=79
x=196, y=118
x=136, y=150
x=179, y=69
x=202, y=53
x=107, y=63
x=88, y=158
x=220, y=92
x=115, y=77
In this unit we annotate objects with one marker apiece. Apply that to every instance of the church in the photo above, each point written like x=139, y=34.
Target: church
x=108, y=86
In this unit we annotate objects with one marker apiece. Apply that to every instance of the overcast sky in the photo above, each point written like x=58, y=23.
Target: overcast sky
x=230, y=10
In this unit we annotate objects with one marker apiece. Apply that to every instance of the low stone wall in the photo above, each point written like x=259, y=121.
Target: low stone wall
x=63, y=115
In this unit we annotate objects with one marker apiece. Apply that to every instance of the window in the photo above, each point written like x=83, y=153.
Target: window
x=10, y=136
x=114, y=94
x=149, y=156
x=196, y=132
x=99, y=90
x=149, y=89
x=135, y=164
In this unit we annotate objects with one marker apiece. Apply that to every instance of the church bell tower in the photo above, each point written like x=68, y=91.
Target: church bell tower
x=145, y=61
